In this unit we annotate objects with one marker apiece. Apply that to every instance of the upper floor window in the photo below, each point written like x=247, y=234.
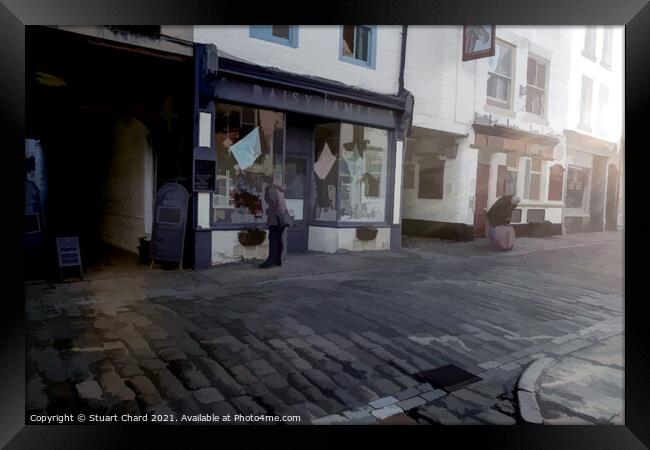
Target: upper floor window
x=500, y=75
x=281, y=34
x=358, y=44
x=585, y=102
x=536, y=89
x=606, y=60
x=603, y=104
x=590, y=43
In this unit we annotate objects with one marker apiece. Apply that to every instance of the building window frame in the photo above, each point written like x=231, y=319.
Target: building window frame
x=511, y=170
x=603, y=107
x=536, y=86
x=590, y=41
x=586, y=103
x=265, y=33
x=371, y=62
x=531, y=170
x=495, y=101
x=606, y=54
x=583, y=209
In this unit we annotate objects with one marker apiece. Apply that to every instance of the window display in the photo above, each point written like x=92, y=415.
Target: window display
x=249, y=145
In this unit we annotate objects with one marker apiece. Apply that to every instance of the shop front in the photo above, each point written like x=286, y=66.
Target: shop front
x=592, y=188
x=512, y=161
x=334, y=148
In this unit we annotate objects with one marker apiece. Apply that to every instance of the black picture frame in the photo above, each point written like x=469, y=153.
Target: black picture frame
x=468, y=32
x=16, y=14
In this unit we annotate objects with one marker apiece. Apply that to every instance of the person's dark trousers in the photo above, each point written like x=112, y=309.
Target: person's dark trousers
x=275, y=245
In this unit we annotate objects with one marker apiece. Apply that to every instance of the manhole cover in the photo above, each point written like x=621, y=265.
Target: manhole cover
x=450, y=377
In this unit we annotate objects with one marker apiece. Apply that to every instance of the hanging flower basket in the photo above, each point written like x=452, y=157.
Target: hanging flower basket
x=251, y=237
x=367, y=233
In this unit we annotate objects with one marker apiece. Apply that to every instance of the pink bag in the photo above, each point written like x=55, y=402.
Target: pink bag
x=504, y=238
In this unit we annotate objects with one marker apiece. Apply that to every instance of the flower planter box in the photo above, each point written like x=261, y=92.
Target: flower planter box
x=251, y=237
x=366, y=233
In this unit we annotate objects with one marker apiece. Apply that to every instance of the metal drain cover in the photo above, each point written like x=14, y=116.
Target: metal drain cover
x=449, y=378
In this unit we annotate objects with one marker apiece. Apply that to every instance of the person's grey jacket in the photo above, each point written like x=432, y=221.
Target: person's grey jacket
x=274, y=197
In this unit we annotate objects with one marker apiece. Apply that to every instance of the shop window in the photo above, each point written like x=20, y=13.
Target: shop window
x=409, y=176
x=350, y=172
x=532, y=189
x=585, y=102
x=606, y=60
x=500, y=75
x=432, y=178
x=555, y=183
x=249, y=144
x=577, y=188
x=589, y=49
x=280, y=34
x=512, y=164
x=536, y=88
x=358, y=44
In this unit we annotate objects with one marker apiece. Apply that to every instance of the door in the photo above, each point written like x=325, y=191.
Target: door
x=481, y=199
x=296, y=169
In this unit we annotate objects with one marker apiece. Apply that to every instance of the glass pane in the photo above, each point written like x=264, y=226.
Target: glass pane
x=504, y=61
x=281, y=31
x=511, y=183
x=361, y=48
x=527, y=180
x=492, y=86
x=535, y=101
x=348, y=40
x=577, y=180
x=238, y=197
x=503, y=89
x=363, y=170
x=532, y=71
x=541, y=75
x=537, y=165
x=326, y=171
x=512, y=160
x=534, y=186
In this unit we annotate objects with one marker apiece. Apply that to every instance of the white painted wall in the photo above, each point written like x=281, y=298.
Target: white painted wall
x=317, y=53
x=329, y=240
x=227, y=249
x=128, y=193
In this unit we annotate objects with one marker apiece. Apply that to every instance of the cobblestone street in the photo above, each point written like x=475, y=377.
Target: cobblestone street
x=331, y=338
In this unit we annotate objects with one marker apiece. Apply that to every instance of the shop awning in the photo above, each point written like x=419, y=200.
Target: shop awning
x=501, y=138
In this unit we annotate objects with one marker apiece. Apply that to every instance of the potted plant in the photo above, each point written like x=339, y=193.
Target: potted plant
x=367, y=233
x=251, y=236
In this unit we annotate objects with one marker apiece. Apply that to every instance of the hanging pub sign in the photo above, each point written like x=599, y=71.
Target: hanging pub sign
x=170, y=218
x=478, y=41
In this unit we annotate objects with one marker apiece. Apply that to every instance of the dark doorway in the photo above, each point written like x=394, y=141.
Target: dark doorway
x=85, y=99
x=598, y=194
x=481, y=200
x=298, y=168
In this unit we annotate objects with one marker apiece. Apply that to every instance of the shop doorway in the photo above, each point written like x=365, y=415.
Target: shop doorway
x=112, y=124
x=297, y=179
x=481, y=199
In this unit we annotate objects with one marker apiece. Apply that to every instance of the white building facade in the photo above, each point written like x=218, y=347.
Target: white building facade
x=594, y=129
x=490, y=127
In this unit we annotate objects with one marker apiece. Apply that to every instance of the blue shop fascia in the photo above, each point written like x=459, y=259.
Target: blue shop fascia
x=337, y=150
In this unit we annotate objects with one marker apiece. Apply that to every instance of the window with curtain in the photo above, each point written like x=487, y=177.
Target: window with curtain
x=536, y=87
x=589, y=49
x=280, y=34
x=358, y=43
x=500, y=75
x=606, y=59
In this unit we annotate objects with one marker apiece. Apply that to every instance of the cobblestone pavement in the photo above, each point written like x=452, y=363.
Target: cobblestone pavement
x=331, y=338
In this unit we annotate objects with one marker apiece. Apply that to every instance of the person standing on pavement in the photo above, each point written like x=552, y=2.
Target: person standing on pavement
x=501, y=211
x=277, y=218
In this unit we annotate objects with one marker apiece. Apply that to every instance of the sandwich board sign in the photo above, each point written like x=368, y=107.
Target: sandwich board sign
x=170, y=218
x=67, y=249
